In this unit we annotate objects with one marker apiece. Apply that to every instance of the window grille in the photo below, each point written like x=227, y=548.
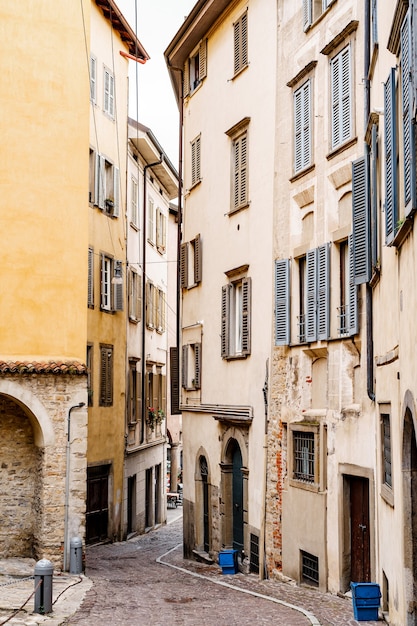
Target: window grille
x=310, y=568
x=304, y=456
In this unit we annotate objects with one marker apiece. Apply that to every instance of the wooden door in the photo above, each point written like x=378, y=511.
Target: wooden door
x=97, y=515
x=360, y=545
x=237, y=500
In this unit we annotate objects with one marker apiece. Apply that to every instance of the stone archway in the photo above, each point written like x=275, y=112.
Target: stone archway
x=21, y=482
x=234, y=490
x=409, y=474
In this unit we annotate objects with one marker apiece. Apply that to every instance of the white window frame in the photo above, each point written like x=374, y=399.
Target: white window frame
x=151, y=221
x=236, y=319
x=135, y=296
x=161, y=222
x=93, y=78
x=134, y=189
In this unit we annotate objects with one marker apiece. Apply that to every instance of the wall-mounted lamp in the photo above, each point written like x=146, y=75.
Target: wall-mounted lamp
x=117, y=278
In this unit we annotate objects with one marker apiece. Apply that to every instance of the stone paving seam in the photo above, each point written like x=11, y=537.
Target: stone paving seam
x=313, y=619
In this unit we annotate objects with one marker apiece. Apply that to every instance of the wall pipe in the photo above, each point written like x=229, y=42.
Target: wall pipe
x=76, y=406
x=144, y=238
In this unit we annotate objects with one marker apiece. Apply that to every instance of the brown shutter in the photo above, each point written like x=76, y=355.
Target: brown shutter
x=106, y=376
x=90, y=277
x=186, y=85
x=163, y=384
x=225, y=313
x=184, y=367
x=197, y=260
x=184, y=265
x=202, y=58
x=174, y=380
x=197, y=366
x=246, y=315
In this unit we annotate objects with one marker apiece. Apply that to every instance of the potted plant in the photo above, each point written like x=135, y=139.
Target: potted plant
x=155, y=417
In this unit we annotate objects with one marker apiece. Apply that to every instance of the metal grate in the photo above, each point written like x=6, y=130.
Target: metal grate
x=304, y=456
x=254, y=553
x=310, y=568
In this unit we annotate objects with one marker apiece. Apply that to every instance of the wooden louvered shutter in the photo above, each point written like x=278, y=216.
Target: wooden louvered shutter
x=118, y=290
x=103, y=283
x=240, y=171
x=202, y=59
x=323, y=292
x=406, y=109
x=282, y=302
x=360, y=219
x=184, y=265
x=346, y=95
x=302, y=127
x=186, y=78
x=240, y=43
x=116, y=191
x=100, y=195
x=184, y=367
x=341, y=97
x=198, y=269
x=106, y=376
x=353, y=321
x=311, y=296
x=90, y=300
x=163, y=388
x=246, y=315
x=374, y=208
x=307, y=14
x=174, y=380
x=391, y=210
x=197, y=366
x=225, y=314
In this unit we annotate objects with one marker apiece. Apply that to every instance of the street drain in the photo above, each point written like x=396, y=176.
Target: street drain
x=178, y=600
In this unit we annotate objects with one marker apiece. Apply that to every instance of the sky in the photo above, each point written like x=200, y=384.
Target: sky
x=157, y=23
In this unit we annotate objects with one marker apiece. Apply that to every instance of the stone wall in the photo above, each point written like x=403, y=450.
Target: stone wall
x=33, y=464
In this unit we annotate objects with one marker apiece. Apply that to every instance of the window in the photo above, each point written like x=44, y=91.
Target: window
x=302, y=127
x=191, y=263
x=348, y=309
x=106, y=375
x=150, y=305
x=309, y=569
x=134, y=217
x=107, y=186
x=312, y=9
x=155, y=386
x=240, y=30
x=151, y=221
x=236, y=322
x=135, y=296
x=111, y=284
x=341, y=97
x=93, y=79
x=195, y=68
x=90, y=297
x=159, y=321
x=196, y=161
x=108, y=93
x=386, y=450
x=317, y=290
x=282, y=300
x=160, y=231
x=304, y=455
x=89, y=363
x=191, y=366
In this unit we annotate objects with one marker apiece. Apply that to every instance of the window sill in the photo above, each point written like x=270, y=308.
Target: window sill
x=240, y=208
x=299, y=484
x=341, y=148
x=403, y=231
x=239, y=72
x=302, y=173
x=134, y=320
x=134, y=226
x=235, y=357
x=194, y=185
x=387, y=495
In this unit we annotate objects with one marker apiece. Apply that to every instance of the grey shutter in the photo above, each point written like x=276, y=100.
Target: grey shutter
x=323, y=292
x=374, y=224
x=197, y=260
x=90, y=297
x=184, y=265
x=311, y=296
x=282, y=302
x=346, y=95
x=174, y=371
x=406, y=108
x=116, y=191
x=202, y=59
x=240, y=171
x=374, y=22
x=307, y=14
x=196, y=161
x=353, y=325
x=184, y=367
x=341, y=122
x=197, y=366
x=225, y=315
x=391, y=210
x=118, y=290
x=244, y=40
x=360, y=219
x=246, y=315
x=302, y=127
x=298, y=125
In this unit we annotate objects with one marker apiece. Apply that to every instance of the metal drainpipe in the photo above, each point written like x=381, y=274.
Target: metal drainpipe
x=368, y=293
x=143, y=389
x=76, y=406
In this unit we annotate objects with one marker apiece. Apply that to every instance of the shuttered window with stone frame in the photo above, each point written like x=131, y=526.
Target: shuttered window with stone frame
x=341, y=98
x=236, y=319
x=191, y=263
x=240, y=171
x=240, y=34
x=106, y=375
x=302, y=127
x=191, y=366
x=111, y=291
x=195, y=69
x=107, y=186
x=318, y=293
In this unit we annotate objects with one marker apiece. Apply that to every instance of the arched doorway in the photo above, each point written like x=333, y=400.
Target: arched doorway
x=409, y=473
x=203, y=513
x=237, y=499
x=233, y=496
x=20, y=483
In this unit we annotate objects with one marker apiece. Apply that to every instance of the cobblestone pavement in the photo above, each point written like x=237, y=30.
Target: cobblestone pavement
x=146, y=581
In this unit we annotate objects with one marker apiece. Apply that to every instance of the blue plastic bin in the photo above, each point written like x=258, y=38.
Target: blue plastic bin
x=366, y=598
x=228, y=561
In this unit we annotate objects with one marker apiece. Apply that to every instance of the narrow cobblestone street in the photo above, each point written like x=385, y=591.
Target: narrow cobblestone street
x=146, y=581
